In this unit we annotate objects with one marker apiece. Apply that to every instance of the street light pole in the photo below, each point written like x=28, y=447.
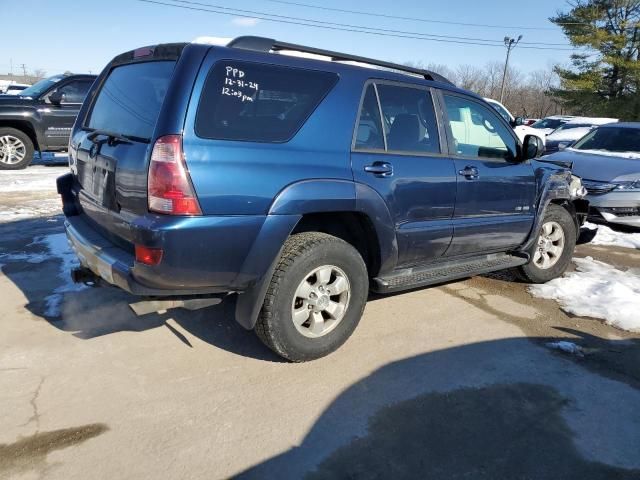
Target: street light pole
x=510, y=43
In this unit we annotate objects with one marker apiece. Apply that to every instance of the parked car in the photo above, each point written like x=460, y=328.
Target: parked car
x=298, y=184
x=608, y=159
x=549, y=124
x=40, y=118
x=576, y=128
x=518, y=124
x=14, y=88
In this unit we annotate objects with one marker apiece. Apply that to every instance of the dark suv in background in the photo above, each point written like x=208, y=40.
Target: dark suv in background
x=40, y=118
x=299, y=184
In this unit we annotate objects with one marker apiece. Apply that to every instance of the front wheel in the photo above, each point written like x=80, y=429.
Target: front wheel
x=316, y=297
x=16, y=149
x=552, y=252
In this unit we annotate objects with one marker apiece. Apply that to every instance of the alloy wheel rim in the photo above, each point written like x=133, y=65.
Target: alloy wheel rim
x=550, y=245
x=320, y=301
x=12, y=150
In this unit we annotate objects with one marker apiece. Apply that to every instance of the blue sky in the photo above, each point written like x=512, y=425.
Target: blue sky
x=84, y=35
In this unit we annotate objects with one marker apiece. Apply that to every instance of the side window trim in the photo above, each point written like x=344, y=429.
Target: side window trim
x=451, y=146
x=383, y=131
x=437, y=110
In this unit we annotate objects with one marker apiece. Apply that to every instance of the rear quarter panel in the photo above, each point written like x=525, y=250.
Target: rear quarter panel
x=244, y=178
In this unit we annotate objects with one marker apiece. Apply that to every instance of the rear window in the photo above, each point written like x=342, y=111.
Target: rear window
x=130, y=99
x=257, y=102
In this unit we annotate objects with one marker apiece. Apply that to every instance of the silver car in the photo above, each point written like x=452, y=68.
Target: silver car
x=608, y=161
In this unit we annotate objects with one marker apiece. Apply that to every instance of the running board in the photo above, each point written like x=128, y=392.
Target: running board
x=443, y=272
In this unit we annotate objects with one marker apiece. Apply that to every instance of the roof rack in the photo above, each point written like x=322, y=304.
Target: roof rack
x=266, y=45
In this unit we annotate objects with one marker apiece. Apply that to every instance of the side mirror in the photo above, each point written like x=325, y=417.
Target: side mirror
x=532, y=147
x=519, y=121
x=56, y=97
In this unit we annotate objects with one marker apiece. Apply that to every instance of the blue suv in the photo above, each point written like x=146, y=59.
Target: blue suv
x=300, y=182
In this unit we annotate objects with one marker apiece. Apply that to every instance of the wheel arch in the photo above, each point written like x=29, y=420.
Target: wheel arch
x=25, y=127
x=343, y=208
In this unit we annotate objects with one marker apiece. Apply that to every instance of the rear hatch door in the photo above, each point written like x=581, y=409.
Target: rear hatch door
x=113, y=145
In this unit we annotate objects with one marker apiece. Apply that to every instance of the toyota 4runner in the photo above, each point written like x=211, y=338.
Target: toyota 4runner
x=300, y=183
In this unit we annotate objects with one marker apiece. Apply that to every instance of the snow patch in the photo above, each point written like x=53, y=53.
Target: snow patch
x=35, y=178
x=597, y=290
x=567, y=347
x=31, y=208
x=58, y=247
x=607, y=236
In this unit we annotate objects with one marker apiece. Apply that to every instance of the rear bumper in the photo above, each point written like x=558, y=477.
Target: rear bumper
x=114, y=265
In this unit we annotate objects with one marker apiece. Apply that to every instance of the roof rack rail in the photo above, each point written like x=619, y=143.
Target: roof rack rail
x=263, y=44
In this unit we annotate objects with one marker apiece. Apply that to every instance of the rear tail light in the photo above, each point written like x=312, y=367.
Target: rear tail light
x=170, y=189
x=148, y=256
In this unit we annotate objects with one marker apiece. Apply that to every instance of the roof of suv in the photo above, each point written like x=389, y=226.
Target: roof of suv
x=340, y=61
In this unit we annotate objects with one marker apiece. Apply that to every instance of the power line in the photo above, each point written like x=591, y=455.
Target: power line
x=424, y=20
x=346, y=25
x=330, y=25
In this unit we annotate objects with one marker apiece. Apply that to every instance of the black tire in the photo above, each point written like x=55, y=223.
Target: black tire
x=28, y=147
x=302, y=253
x=531, y=272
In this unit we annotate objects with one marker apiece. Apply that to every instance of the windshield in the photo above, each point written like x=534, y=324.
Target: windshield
x=611, y=139
x=502, y=111
x=548, y=123
x=40, y=87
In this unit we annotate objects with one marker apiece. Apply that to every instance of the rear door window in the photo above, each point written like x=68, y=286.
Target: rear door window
x=409, y=119
x=257, y=102
x=130, y=99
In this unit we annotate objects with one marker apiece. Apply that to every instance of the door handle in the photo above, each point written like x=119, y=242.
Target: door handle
x=382, y=169
x=469, y=172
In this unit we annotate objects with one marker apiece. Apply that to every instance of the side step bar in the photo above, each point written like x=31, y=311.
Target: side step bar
x=439, y=273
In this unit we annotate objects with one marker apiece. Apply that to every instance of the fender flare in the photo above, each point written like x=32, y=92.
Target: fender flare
x=294, y=201
x=556, y=187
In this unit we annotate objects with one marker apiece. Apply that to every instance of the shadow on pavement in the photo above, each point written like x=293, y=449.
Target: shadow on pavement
x=510, y=424
x=93, y=312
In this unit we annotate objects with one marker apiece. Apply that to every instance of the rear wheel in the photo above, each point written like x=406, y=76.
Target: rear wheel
x=315, y=299
x=16, y=149
x=552, y=252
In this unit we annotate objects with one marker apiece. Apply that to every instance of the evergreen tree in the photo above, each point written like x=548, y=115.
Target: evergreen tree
x=604, y=78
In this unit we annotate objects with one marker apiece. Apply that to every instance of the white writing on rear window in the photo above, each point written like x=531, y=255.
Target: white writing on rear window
x=236, y=85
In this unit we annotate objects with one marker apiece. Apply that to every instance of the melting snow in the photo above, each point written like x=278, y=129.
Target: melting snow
x=36, y=178
x=567, y=347
x=58, y=247
x=597, y=290
x=607, y=236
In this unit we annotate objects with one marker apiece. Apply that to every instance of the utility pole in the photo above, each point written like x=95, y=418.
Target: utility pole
x=24, y=72
x=510, y=43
